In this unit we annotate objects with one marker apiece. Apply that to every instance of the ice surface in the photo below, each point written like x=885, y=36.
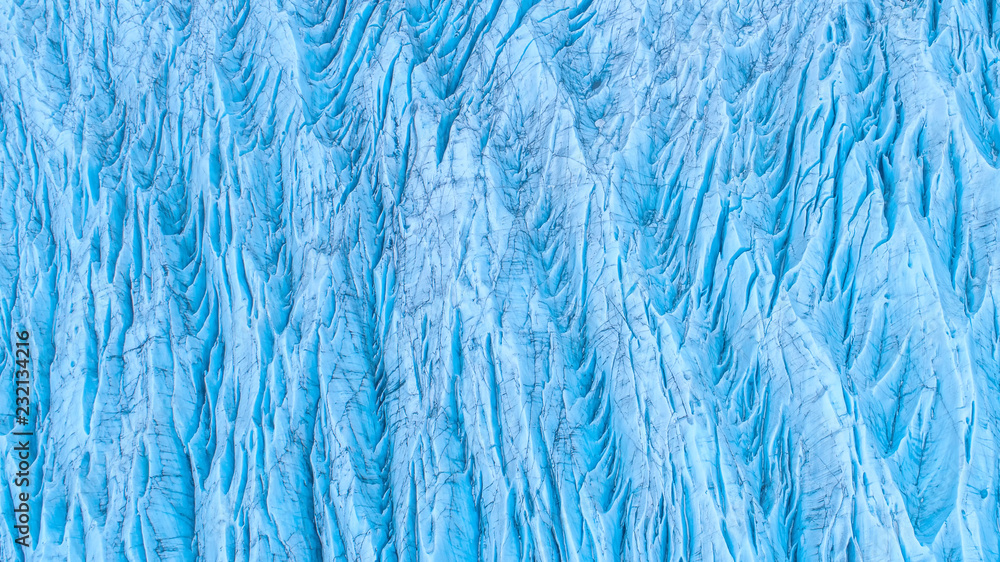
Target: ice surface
x=496, y=280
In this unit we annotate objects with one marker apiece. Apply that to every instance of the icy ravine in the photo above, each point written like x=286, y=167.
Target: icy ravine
x=504, y=281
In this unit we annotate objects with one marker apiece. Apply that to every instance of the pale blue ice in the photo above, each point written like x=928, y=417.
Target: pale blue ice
x=505, y=280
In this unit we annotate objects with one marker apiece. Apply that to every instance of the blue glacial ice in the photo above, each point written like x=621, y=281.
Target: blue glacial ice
x=450, y=280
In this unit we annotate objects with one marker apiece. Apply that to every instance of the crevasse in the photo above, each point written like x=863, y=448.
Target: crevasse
x=498, y=280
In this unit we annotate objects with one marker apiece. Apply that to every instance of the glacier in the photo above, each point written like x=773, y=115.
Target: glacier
x=449, y=280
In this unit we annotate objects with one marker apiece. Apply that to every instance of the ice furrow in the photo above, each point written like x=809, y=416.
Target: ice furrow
x=502, y=280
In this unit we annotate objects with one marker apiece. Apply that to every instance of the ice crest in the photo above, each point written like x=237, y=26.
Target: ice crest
x=500, y=280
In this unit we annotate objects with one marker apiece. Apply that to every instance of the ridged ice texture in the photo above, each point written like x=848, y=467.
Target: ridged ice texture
x=405, y=280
